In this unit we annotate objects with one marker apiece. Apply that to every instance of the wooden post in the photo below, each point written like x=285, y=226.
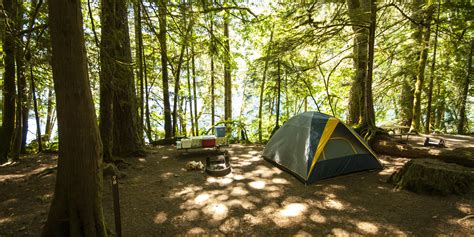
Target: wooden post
x=115, y=193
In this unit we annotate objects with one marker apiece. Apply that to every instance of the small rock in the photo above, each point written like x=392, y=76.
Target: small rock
x=176, y=175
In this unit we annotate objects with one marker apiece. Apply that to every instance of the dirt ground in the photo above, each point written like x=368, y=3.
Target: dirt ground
x=159, y=198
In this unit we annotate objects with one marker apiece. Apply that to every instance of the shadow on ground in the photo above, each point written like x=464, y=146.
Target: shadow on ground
x=160, y=198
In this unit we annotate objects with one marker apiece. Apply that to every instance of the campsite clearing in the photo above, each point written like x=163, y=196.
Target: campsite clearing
x=159, y=198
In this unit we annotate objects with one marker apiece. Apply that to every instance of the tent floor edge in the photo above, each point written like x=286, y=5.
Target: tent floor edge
x=299, y=178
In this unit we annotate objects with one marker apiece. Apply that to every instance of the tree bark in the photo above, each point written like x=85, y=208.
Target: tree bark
x=408, y=89
x=164, y=65
x=465, y=91
x=139, y=60
x=359, y=13
x=369, y=113
x=433, y=64
x=49, y=116
x=193, y=131
x=277, y=122
x=211, y=55
x=9, y=91
x=147, y=104
x=76, y=209
x=193, y=68
x=415, y=123
x=37, y=118
x=184, y=44
x=120, y=116
x=227, y=73
x=262, y=88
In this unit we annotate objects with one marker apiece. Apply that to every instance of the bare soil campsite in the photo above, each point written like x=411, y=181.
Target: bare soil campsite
x=159, y=197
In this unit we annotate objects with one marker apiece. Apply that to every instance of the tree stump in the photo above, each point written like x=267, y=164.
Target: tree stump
x=434, y=177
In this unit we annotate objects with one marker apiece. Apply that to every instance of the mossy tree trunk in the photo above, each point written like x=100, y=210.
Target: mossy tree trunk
x=359, y=14
x=465, y=91
x=416, y=114
x=432, y=72
x=76, y=208
x=119, y=114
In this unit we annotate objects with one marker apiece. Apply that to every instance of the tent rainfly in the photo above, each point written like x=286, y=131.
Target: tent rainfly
x=314, y=146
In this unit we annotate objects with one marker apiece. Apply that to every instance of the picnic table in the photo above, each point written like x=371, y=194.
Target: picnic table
x=201, y=143
x=399, y=131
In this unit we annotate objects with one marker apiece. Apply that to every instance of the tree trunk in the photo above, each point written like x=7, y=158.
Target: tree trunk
x=359, y=13
x=126, y=138
x=184, y=44
x=139, y=61
x=211, y=53
x=369, y=114
x=37, y=118
x=9, y=91
x=262, y=88
x=119, y=99
x=147, y=105
x=193, y=68
x=408, y=89
x=415, y=123
x=190, y=94
x=465, y=91
x=76, y=209
x=21, y=82
x=227, y=73
x=430, y=87
x=164, y=67
x=50, y=114
x=277, y=122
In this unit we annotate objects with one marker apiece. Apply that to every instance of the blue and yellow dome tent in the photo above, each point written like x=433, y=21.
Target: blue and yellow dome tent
x=314, y=146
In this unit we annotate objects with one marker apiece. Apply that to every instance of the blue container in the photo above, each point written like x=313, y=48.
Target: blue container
x=220, y=131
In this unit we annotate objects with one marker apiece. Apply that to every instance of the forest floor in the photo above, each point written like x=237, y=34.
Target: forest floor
x=160, y=198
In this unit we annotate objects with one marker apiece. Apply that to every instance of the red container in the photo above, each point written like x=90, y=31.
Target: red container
x=208, y=142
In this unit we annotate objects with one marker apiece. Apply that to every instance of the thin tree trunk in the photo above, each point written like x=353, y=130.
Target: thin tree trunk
x=193, y=66
x=76, y=209
x=277, y=122
x=9, y=91
x=465, y=91
x=193, y=131
x=49, y=114
x=147, y=97
x=262, y=87
x=227, y=73
x=164, y=66
x=212, y=50
x=184, y=44
x=35, y=106
x=139, y=60
x=21, y=82
x=415, y=123
x=433, y=64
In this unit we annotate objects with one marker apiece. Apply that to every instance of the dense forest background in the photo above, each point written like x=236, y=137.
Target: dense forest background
x=161, y=69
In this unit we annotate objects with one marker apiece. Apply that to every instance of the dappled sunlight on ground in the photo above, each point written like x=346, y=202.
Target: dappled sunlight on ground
x=258, y=198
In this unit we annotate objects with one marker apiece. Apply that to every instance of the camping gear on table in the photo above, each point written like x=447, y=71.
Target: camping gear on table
x=218, y=165
x=178, y=145
x=220, y=131
x=314, y=146
x=185, y=143
x=209, y=141
x=196, y=142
